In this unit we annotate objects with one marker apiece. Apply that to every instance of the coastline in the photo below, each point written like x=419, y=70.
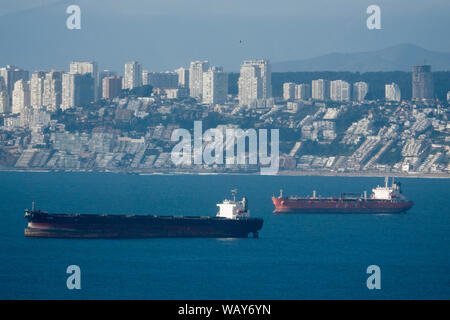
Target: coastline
x=280, y=173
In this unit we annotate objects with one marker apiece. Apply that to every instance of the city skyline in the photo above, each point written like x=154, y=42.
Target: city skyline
x=208, y=84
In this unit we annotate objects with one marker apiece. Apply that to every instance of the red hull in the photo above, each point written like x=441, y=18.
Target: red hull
x=338, y=205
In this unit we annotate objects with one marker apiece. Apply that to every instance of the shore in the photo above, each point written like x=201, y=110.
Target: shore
x=166, y=171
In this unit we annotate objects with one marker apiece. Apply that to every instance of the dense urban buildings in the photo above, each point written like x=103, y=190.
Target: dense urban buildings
x=53, y=121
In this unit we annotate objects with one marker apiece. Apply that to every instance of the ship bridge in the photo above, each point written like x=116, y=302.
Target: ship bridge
x=232, y=209
x=386, y=192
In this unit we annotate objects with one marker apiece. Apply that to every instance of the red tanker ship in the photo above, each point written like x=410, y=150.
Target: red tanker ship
x=382, y=200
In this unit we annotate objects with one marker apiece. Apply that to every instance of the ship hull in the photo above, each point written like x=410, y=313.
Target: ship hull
x=362, y=206
x=86, y=226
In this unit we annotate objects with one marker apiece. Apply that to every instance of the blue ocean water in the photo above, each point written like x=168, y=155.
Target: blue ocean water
x=296, y=256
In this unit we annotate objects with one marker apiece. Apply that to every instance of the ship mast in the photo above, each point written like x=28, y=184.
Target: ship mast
x=234, y=192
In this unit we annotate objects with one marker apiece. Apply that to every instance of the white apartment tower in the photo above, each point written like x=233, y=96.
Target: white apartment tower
x=392, y=92
x=196, y=70
x=132, y=76
x=288, y=90
x=215, y=86
x=68, y=91
x=52, y=90
x=360, y=90
x=37, y=89
x=302, y=91
x=183, y=77
x=320, y=89
x=340, y=90
x=20, y=96
x=254, y=81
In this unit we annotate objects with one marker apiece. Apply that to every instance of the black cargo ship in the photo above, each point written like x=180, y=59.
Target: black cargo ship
x=232, y=221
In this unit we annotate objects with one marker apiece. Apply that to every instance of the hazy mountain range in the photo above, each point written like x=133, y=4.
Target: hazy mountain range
x=397, y=58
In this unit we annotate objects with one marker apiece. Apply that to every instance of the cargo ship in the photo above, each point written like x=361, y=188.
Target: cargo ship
x=232, y=221
x=387, y=199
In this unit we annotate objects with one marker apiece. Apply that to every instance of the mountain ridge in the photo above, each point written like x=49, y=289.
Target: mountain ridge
x=400, y=57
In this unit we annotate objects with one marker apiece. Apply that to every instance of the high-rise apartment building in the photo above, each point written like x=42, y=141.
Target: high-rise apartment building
x=422, y=83
x=183, y=77
x=21, y=96
x=288, y=90
x=254, y=82
x=392, y=92
x=111, y=87
x=215, y=86
x=77, y=90
x=320, y=89
x=196, y=70
x=10, y=75
x=37, y=89
x=101, y=75
x=5, y=106
x=160, y=79
x=340, y=90
x=53, y=90
x=86, y=68
x=360, y=90
x=302, y=91
x=132, y=76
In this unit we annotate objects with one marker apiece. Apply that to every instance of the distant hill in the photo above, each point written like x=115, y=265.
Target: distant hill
x=397, y=58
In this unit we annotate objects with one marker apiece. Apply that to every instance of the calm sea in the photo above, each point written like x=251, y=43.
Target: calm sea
x=296, y=256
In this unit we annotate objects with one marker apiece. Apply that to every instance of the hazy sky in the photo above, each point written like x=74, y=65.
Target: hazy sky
x=165, y=34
